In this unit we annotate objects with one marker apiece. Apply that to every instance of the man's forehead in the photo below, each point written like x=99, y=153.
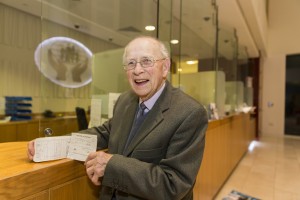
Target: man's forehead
x=144, y=41
x=144, y=48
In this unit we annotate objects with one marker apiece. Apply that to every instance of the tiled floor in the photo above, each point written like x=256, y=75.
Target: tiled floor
x=271, y=171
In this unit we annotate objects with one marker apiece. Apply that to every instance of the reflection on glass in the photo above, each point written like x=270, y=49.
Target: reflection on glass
x=65, y=62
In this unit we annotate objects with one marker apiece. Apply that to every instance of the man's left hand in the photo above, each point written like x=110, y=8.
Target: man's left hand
x=95, y=165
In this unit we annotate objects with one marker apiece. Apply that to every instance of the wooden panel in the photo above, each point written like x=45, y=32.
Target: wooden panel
x=80, y=188
x=226, y=143
x=60, y=126
x=204, y=181
x=72, y=125
x=40, y=196
x=8, y=132
x=27, y=131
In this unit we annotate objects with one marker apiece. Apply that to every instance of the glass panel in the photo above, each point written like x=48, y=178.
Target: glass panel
x=194, y=56
x=244, y=75
x=227, y=63
x=103, y=27
x=58, y=79
x=19, y=78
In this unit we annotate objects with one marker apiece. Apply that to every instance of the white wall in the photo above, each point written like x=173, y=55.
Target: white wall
x=272, y=95
x=284, y=27
x=283, y=39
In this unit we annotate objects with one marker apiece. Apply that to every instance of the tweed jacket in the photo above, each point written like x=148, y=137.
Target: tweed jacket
x=163, y=159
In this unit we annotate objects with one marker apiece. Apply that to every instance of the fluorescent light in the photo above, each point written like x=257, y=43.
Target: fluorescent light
x=191, y=62
x=150, y=28
x=174, y=41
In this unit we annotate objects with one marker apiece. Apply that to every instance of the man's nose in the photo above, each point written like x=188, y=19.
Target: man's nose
x=138, y=67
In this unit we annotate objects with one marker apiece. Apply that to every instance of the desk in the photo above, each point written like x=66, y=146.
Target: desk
x=26, y=180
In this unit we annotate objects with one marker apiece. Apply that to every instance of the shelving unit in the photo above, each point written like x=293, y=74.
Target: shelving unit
x=18, y=107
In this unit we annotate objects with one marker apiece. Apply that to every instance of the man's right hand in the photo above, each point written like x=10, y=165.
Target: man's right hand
x=30, y=150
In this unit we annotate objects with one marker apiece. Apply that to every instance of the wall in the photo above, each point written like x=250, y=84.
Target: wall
x=283, y=39
x=284, y=29
x=276, y=31
x=255, y=13
x=272, y=96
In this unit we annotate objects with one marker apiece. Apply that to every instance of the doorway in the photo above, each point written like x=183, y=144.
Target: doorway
x=292, y=95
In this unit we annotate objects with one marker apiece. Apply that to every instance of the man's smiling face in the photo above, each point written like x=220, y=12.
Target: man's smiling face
x=145, y=82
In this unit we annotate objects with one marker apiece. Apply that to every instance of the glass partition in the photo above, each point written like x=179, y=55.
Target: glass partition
x=20, y=33
x=244, y=75
x=104, y=28
x=194, y=56
x=227, y=64
x=63, y=55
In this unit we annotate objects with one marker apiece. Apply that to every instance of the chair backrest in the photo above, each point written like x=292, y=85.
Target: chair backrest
x=81, y=118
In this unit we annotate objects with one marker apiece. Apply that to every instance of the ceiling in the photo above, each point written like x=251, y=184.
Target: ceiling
x=109, y=20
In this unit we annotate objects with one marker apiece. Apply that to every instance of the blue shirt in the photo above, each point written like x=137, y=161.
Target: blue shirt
x=150, y=102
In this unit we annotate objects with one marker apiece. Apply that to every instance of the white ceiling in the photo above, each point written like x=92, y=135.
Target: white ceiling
x=101, y=22
x=232, y=18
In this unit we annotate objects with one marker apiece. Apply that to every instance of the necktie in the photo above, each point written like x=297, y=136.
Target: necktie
x=142, y=110
x=141, y=115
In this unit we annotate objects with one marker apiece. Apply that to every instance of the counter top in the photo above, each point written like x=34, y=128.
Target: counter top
x=20, y=177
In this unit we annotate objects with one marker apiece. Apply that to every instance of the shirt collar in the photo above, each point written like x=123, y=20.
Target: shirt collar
x=150, y=102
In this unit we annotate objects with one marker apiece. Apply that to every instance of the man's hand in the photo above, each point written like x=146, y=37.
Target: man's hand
x=30, y=150
x=95, y=165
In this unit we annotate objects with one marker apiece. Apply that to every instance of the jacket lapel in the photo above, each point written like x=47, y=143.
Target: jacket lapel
x=154, y=117
x=125, y=127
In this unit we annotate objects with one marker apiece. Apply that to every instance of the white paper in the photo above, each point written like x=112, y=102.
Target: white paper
x=81, y=145
x=51, y=148
x=95, y=117
x=77, y=147
x=112, y=99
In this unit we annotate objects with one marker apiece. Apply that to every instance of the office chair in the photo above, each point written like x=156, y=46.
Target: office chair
x=81, y=118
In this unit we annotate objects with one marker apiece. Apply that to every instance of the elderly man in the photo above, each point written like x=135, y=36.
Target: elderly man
x=156, y=137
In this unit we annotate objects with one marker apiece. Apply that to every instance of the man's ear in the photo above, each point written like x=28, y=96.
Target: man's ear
x=166, y=67
x=167, y=64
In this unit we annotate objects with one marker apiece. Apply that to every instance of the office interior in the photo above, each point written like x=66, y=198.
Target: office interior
x=229, y=55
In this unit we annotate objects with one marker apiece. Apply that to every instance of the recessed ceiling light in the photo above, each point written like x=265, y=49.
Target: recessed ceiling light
x=150, y=28
x=174, y=41
x=191, y=62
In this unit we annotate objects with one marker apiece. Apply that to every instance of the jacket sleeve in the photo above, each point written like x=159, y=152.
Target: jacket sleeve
x=175, y=175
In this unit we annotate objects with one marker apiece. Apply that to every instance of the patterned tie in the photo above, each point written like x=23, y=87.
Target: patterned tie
x=142, y=110
x=141, y=115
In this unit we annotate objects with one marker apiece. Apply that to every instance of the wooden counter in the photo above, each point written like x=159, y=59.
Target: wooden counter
x=23, y=179
x=227, y=141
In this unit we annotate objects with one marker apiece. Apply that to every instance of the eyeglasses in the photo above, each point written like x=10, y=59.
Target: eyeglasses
x=144, y=62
